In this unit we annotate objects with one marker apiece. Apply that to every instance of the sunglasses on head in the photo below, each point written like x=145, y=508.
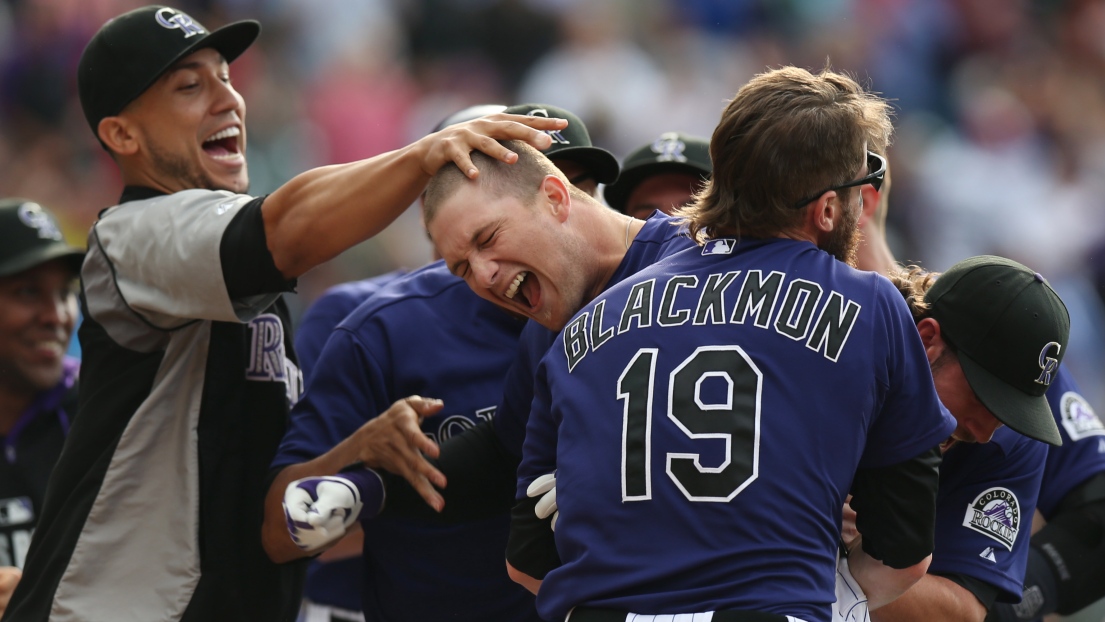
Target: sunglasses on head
x=876, y=165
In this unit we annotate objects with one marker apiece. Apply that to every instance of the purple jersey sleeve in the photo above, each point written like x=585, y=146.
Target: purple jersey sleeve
x=328, y=311
x=514, y=409
x=984, y=510
x=905, y=425
x=1082, y=454
x=345, y=392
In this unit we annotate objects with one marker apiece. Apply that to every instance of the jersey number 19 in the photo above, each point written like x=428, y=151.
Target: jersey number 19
x=735, y=419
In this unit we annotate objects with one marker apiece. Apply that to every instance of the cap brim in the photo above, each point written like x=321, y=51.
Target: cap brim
x=41, y=255
x=617, y=194
x=1027, y=414
x=599, y=162
x=230, y=41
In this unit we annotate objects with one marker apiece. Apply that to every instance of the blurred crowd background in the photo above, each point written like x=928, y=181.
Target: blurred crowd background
x=1000, y=144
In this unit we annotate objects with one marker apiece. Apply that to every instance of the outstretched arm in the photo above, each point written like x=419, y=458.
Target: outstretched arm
x=392, y=440
x=320, y=213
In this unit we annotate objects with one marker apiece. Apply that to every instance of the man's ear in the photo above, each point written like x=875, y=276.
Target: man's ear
x=871, y=203
x=555, y=193
x=932, y=338
x=118, y=134
x=821, y=212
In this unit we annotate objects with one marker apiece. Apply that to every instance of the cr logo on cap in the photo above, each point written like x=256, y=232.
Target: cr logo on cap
x=171, y=19
x=669, y=148
x=32, y=215
x=1048, y=364
x=553, y=134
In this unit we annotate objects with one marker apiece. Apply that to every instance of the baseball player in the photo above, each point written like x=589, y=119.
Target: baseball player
x=1067, y=554
x=663, y=175
x=189, y=372
x=38, y=390
x=994, y=332
x=467, y=343
x=333, y=587
x=696, y=479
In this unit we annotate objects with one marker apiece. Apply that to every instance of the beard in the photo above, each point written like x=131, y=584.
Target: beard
x=844, y=240
x=181, y=169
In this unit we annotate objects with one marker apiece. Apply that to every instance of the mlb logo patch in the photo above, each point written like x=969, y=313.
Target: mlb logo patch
x=720, y=246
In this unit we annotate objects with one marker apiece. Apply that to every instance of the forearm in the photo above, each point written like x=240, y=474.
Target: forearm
x=523, y=579
x=932, y=598
x=275, y=538
x=881, y=583
x=320, y=213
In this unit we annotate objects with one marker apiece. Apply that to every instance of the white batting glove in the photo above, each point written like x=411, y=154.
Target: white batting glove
x=320, y=509
x=545, y=487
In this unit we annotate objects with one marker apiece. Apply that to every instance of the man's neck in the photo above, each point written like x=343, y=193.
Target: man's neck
x=613, y=235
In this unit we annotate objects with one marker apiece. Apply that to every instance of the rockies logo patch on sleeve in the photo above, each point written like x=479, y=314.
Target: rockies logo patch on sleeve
x=996, y=514
x=1078, y=417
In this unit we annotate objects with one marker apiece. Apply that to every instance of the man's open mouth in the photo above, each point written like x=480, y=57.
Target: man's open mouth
x=223, y=144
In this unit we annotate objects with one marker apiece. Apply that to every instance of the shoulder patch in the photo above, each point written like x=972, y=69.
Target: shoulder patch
x=1078, y=417
x=996, y=514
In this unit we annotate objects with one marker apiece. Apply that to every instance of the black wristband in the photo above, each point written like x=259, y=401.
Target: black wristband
x=531, y=547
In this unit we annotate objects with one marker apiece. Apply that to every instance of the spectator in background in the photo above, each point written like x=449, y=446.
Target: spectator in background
x=38, y=308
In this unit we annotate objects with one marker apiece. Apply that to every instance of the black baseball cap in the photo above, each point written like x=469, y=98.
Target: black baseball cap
x=130, y=52
x=573, y=142
x=467, y=114
x=1010, y=330
x=29, y=236
x=672, y=152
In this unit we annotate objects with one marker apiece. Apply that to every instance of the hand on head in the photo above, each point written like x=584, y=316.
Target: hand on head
x=456, y=142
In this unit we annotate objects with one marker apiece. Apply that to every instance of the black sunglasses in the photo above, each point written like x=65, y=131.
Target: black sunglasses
x=875, y=163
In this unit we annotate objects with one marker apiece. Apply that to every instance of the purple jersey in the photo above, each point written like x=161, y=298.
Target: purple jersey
x=1083, y=452
x=705, y=419
x=658, y=238
x=984, y=510
x=336, y=583
x=328, y=311
x=424, y=333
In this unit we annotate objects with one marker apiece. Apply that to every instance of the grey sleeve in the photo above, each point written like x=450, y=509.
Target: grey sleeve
x=162, y=258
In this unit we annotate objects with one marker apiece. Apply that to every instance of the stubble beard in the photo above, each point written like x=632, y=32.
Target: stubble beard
x=844, y=240
x=181, y=169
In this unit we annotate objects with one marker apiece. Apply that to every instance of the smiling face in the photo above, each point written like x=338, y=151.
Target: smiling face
x=522, y=257
x=37, y=312
x=188, y=128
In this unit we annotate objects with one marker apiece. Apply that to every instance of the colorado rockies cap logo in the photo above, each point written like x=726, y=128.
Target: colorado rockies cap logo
x=173, y=19
x=1048, y=364
x=996, y=514
x=669, y=148
x=32, y=215
x=554, y=134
